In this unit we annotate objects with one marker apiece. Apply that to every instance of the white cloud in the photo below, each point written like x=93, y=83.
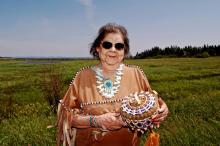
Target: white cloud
x=89, y=12
x=87, y=3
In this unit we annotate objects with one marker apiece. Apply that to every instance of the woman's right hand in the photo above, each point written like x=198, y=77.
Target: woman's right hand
x=110, y=121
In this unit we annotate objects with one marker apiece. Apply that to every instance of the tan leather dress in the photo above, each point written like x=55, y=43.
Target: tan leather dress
x=83, y=91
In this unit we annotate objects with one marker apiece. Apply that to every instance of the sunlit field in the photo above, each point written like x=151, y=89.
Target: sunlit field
x=189, y=86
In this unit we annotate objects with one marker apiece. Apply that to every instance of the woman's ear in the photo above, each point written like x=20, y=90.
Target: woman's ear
x=98, y=49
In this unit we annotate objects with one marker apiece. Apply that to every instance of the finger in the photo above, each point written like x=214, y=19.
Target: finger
x=166, y=111
x=162, y=104
x=158, y=125
x=163, y=107
x=158, y=119
x=117, y=114
x=157, y=116
x=114, y=127
x=109, y=114
x=103, y=128
x=122, y=123
x=113, y=114
x=161, y=110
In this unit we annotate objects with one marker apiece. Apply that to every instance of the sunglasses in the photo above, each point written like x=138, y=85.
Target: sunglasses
x=108, y=45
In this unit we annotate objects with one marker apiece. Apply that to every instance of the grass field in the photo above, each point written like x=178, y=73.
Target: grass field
x=189, y=86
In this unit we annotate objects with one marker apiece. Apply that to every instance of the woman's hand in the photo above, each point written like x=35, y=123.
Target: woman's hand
x=110, y=121
x=162, y=113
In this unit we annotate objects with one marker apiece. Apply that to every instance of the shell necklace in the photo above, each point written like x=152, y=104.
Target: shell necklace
x=105, y=86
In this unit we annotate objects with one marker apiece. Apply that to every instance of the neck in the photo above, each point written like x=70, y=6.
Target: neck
x=108, y=69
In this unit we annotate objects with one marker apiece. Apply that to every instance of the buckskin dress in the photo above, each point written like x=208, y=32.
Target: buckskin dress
x=84, y=98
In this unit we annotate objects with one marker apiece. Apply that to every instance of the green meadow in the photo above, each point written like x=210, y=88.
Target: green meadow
x=189, y=86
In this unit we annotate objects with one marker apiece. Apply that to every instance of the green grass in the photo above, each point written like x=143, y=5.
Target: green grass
x=28, y=125
x=190, y=87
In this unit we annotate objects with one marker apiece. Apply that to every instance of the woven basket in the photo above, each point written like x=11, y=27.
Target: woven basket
x=137, y=109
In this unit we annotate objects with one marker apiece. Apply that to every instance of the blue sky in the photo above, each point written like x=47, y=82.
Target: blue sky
x=56, y=28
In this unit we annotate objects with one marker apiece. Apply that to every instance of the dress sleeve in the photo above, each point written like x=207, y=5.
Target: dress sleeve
x=68, y=107
x=143, y=81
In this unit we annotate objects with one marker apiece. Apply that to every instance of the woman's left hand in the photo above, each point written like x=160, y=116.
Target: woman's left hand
x=162, y=113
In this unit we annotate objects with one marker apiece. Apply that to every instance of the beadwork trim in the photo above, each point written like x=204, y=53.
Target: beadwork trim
x=74, y=110
x=100, y=80
x=135, y=66
x=100, y=102
x=78, y=73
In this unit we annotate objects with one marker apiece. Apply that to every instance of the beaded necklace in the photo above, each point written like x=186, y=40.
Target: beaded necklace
x=105, y=86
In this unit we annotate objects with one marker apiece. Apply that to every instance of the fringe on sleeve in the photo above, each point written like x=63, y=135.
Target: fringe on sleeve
x=67, y=108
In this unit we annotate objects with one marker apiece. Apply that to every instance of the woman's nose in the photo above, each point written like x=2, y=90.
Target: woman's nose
x=113, y=48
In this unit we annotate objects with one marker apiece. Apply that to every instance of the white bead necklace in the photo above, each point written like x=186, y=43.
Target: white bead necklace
x=106, y=87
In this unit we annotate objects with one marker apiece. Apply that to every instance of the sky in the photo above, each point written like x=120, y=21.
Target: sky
x=66, y=28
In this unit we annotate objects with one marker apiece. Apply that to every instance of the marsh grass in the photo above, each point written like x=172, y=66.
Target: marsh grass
x=51, y=88
x=190, y=87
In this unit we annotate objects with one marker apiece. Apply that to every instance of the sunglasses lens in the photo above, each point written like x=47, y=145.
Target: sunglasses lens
x=107, y=45
x=119, y=46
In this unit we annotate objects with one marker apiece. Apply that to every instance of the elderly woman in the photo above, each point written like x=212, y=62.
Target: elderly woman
x=89, y=113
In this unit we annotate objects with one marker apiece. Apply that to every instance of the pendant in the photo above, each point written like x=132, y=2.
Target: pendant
x=108, y=84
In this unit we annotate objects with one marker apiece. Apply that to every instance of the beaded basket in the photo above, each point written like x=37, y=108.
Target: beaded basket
x=137, y=109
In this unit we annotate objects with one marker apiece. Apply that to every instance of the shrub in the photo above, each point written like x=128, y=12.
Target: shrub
x=203, y=55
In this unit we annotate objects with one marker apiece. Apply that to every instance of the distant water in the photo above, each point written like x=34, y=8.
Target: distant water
x=41, y=62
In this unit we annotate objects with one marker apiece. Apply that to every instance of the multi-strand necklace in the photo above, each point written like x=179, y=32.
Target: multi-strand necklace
x=106, y=87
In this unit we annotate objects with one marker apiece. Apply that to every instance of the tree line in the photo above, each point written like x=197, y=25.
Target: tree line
x=175, y=51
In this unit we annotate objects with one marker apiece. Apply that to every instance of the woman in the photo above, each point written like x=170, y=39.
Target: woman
x=90, y=110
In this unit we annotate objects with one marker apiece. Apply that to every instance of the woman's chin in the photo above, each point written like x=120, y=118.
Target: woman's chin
x=112, y=62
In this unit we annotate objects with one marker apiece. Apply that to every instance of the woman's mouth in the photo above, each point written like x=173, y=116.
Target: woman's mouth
x=112, y=56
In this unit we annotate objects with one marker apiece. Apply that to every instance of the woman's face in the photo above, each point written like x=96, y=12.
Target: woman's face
x=115, y=54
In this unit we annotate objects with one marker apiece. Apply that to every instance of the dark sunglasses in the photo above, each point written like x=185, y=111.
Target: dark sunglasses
x=108, y=45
